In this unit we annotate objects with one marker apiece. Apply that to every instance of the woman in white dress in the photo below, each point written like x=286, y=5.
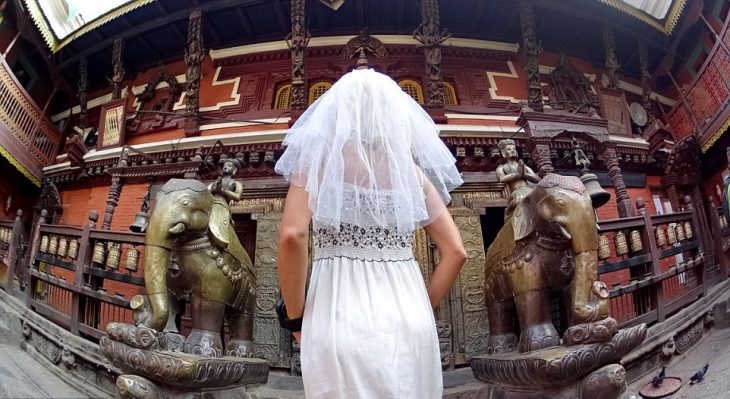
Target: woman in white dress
x=367, y=168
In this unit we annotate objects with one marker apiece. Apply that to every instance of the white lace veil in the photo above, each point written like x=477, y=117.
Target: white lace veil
x=363, y=151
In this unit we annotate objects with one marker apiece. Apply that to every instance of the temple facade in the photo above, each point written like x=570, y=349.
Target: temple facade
x=95, y=120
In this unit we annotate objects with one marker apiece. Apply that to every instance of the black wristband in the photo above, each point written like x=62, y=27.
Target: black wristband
x=294, y=325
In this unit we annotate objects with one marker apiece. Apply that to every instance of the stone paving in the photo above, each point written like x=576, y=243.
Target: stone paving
x=713, y=349
x=23, y=377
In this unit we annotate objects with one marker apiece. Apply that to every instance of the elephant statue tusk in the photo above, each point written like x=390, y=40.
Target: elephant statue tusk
x=563, y=231
x=176, y=229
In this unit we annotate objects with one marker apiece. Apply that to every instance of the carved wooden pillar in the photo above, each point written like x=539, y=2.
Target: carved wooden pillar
x=270, y=342
x=610, y=160
x=115, y=190
x=645, y=76
x=431, y=37
x=471, y=327
x=539, y=149
x=297, y=41
x=612, y=65
x=533, y=49
x=83, y=85
x=194, y=55
x=117, y=69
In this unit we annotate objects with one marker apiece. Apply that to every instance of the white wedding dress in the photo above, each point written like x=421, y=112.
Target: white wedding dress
x=368, y=329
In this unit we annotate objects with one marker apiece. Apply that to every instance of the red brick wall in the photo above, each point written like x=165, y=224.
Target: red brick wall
x=78, y=202
x=129, y=202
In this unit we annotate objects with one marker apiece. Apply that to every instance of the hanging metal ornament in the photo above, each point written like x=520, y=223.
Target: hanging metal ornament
x=661, y=237
x=622, y=247
x=604, y=247
x=132, y=257
x=62, y=247
x=112, y=258
x=636, y=244
x=99, y=253
x=73, y=249
x=688, y=230
x=680, y=232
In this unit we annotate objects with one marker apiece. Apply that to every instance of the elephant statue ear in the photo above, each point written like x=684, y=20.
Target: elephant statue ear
x=219, y=225
x=523, y=221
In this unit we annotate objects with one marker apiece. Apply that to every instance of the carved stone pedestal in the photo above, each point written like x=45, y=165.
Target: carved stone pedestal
x=578, y=372
x=155, y=371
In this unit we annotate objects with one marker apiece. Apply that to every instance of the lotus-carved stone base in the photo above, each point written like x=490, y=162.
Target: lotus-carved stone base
x=132, y=386
x=155, y=371
x=580, y=371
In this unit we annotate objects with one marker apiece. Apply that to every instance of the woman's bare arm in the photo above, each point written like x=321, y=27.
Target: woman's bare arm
x=293, y=247
x=444, y=233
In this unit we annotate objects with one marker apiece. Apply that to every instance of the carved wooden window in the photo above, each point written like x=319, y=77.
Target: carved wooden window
x=449, y=95
x=283, y=97
x=317, y=90
x=413, y=89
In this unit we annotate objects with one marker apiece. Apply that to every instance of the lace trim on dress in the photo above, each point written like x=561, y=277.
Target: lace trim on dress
x=373, y=243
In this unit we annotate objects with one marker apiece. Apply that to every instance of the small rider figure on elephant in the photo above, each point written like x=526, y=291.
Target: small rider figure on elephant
x=515, y=174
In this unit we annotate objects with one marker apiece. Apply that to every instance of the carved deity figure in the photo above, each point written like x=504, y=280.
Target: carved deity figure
x=515, y=174
x=581, y=159
x=225, y=189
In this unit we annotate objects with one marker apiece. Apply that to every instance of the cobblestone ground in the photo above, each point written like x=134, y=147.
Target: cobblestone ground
x=713, y=349
x=21, y=376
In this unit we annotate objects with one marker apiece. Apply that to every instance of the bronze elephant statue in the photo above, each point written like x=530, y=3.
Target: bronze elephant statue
x=192, y=251
x=546, y=249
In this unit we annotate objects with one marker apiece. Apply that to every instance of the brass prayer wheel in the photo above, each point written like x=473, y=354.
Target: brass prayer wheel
x=723, y=222
x=112, y=259
x=680, y=232
x=132, y=257
x=4, y=235
x=53, y=245
x=661, y=237
x=73, y=249
x=636, y=244
x=688, y=230
x=99, y=253
x=604, y=247
x=44, y=244
x=671, y=235
x=622, y=247
x=62, y=247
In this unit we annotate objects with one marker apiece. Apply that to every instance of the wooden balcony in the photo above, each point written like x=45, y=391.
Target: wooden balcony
x=704, y=106
x=25, y=133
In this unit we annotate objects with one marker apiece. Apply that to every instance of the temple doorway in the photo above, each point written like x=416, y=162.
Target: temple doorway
x=492, y=221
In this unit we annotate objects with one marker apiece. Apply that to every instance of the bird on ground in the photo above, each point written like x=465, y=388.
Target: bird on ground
x=659, y=378
x=699, y=375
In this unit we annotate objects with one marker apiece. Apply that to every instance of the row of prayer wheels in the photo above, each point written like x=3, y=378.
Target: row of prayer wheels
x=109, y=255
x=6, y=234
x=105, y=254
x=672, y=235
x=59, y=246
